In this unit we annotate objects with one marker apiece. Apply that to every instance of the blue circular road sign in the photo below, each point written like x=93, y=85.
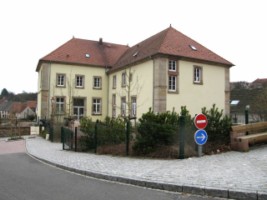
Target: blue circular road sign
x=201, y=137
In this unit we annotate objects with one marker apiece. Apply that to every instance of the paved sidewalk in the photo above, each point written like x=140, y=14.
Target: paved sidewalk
x=230, y=175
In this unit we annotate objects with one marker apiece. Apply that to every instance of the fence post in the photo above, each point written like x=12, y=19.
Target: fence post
x=127, y=136
x=96, y=135
x=75, y=140
x=71, y=139
x=181, y=136
x=62, y=137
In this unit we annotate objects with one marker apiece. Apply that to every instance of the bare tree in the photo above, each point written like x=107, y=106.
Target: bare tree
x=131, y=89
x=260, y=104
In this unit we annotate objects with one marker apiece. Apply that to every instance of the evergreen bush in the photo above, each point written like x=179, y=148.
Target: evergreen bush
x=219, y=125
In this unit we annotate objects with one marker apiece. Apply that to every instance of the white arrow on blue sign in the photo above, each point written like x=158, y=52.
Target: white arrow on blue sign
x=201, y=137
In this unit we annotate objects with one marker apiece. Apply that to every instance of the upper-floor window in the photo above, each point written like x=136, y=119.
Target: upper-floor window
x=61, y=80
x=114, y=82
x=79, y=81
x=172, y=65
x=198, y=75
x=97, y=104
x=97, y=82
x=123, y=79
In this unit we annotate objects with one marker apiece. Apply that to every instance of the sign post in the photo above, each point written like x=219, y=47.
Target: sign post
x=201, y=135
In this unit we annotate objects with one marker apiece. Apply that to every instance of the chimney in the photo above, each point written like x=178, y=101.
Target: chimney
x=100, y=41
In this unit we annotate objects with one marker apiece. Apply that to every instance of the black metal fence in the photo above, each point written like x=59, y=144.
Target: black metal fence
x=102, y=137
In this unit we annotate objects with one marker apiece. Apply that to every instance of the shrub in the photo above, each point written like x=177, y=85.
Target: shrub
x=109, y=132
x=219, y=125
x=155, y=130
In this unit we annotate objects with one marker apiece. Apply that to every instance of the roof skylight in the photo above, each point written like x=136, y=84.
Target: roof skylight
x=234, y=102
x=87, y=55
x=193, y=47
x=135, y=54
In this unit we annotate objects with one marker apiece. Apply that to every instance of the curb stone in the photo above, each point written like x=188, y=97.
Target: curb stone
x=240, y=195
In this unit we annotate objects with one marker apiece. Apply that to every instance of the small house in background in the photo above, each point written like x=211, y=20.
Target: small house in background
x=259, y=83
x=5, y=107
x=21, y=110
x=24, y=110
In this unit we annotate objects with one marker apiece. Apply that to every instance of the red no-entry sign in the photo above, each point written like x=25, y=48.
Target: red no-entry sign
x=201, y=121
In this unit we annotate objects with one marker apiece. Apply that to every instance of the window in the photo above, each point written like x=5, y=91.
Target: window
x=133, y=106
x=198, y=75
x=60, y=80
x=78, y=107
x=172, y=76
x=96, y=106
x=172, y=65
x=172, y=83
x=79, y=81
x=97, y=82
x=114, y=105
x=60, y=105
x=123, y=106
x=114, y=82
x=123, y=79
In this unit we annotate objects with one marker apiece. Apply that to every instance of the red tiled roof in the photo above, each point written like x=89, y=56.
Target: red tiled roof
x=31, y=104
x=74, y=52
x=170, y=42
x=260, y=81
x=17, y=107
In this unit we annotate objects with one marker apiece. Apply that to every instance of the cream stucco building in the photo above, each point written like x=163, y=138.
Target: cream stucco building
x=99, y=79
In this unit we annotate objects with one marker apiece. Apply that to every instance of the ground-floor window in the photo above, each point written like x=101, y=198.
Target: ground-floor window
x=78, y=107
x=96, y=110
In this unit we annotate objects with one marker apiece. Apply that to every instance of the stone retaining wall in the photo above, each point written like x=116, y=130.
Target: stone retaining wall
x=14, y=131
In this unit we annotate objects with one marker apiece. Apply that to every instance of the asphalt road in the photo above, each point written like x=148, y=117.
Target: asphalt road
x=24, y=178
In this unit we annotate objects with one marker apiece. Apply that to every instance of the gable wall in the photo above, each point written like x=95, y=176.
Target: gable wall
x=197, y=96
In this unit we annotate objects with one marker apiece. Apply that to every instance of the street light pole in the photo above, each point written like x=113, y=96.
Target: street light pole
x=246, y=114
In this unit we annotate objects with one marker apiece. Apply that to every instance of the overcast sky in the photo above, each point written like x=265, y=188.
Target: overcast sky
x=30, y=29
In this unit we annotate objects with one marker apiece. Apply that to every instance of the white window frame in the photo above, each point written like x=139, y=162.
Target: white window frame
x=97, y=84
x=133, y=106
x=198, y=74
x=80, y=109
x=114, y=82
x=61, y=80
x=97, y=106
x=79, y=81
x=123, y=79
x=60, y=105
x=172, y=83
x=114, y=105
x=172, y=65
x=123, y=106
